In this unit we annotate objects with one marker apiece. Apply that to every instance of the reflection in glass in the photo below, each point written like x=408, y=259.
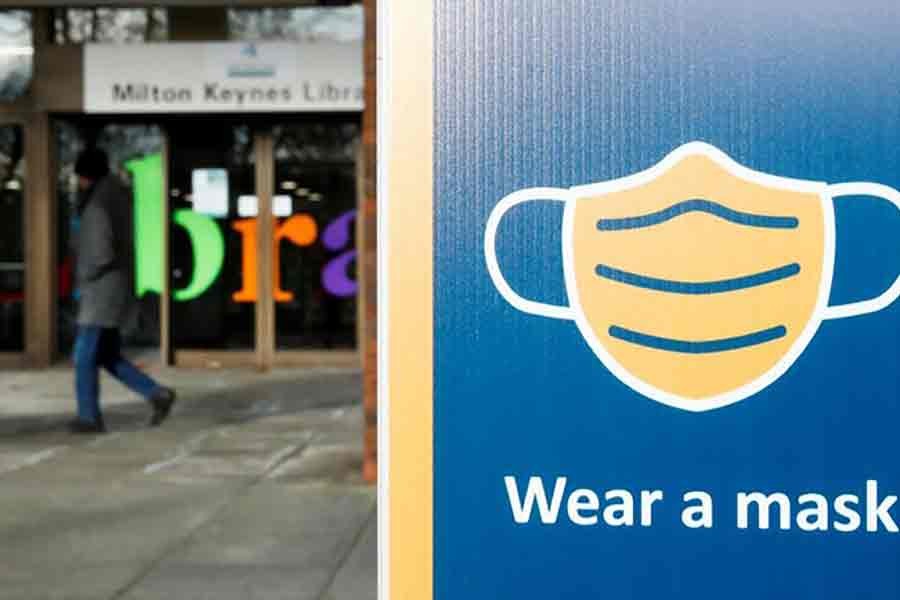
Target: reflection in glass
x=12, y=240
x=315, y=260
x=135, y=153
x=343, y=24
x=16, y=53
x=109, y=25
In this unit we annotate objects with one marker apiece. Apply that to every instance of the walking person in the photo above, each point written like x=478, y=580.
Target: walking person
x=103, y=279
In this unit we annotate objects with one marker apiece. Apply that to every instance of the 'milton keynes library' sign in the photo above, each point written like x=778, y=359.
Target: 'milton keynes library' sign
x=322, y=76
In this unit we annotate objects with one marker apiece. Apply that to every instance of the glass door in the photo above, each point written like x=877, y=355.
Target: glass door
x=12, y=240
x=314, y=207
x=212, y=240
x=262, y=241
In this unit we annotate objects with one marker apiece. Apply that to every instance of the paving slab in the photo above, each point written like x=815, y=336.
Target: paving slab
x=250, y=490
x=355, y=577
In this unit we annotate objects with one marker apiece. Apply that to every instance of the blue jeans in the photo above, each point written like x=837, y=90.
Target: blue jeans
x=97, y=347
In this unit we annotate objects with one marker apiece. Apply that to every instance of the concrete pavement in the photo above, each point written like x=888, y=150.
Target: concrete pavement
x=250, y=490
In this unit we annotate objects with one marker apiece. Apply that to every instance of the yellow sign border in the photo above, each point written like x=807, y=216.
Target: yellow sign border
x=405, y=303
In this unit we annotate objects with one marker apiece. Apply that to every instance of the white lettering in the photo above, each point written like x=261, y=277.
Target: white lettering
x=621, y=513
x=764, y=503
x=879, y=512
x=535, y=493
x=852, y=516
x=583, y=500
x=648, y=499
x=815, y=518
x=700, y=515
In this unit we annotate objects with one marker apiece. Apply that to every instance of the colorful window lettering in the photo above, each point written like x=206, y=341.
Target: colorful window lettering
x=208, y=243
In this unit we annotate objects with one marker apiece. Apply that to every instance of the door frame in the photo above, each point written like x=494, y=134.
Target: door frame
x=39, y=231
x=264, y=355
x=202, y=358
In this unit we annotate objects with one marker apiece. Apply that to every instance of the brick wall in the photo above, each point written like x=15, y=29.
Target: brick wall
x=369, y=343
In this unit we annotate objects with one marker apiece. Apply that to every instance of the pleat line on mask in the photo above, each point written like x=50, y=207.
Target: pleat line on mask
x=700, y=346
x=698, y=287
x=699, y=205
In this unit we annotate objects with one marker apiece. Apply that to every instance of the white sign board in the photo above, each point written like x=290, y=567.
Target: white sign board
x=320, y=76
x=209, y=191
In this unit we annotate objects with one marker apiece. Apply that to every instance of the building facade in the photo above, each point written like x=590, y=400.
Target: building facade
x=245, y=131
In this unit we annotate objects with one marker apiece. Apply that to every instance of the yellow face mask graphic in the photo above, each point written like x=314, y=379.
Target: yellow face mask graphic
x=698, y=282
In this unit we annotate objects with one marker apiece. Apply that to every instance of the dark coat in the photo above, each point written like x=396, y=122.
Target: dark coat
x=104, y=255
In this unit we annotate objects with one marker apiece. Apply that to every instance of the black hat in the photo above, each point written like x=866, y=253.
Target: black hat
x=92, y=163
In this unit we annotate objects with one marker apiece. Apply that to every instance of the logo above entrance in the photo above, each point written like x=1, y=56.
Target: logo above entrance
x=697, y=282
x=250, y=65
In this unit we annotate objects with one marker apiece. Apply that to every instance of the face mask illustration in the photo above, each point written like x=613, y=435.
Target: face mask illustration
x=698, y=282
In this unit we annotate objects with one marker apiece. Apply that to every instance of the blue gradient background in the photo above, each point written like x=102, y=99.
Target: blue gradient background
x=565, y=92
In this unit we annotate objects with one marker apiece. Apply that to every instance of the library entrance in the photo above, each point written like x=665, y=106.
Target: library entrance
x=242, y=172
x=244, y=234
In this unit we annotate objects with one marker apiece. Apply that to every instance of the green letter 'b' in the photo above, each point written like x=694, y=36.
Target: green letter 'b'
x=207, y=241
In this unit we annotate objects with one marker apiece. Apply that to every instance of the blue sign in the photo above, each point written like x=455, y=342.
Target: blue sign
x=666, y=336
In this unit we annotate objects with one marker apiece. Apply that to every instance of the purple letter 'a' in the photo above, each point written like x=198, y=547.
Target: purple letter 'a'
x=334, y=275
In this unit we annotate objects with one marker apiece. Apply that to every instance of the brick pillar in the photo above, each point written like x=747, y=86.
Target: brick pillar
x=369, y=341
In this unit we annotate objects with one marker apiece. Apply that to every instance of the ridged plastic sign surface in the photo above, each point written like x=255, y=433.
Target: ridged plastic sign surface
x=666, y=337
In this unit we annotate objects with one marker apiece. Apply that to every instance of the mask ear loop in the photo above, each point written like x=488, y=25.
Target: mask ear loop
x=531, y=307
x=886, y=298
